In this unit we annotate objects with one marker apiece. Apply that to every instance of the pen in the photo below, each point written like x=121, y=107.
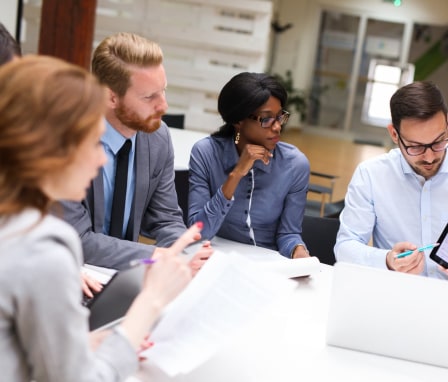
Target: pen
x=134, y=263
x=421, y=249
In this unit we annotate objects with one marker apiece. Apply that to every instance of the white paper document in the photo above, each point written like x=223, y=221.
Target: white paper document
x=222, y=299
x=290, y=268
x=101, y=274
x=267, y=258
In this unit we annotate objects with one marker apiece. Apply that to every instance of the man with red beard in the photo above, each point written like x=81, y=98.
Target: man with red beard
x=131, y=68
x=398, y=200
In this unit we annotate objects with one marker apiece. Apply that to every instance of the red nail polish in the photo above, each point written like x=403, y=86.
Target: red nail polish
x=200, y=225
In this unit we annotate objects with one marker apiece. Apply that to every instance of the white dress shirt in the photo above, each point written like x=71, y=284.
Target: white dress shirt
x=388, y=202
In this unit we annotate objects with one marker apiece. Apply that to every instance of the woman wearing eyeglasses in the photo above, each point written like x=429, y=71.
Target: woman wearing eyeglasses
x=246, y=185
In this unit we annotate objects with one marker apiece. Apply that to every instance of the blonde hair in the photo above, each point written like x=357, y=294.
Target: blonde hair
x=47, y=109
x=116, y=54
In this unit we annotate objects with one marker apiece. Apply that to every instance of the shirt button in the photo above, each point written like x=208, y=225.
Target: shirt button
x=245, y=211
x=248, y=197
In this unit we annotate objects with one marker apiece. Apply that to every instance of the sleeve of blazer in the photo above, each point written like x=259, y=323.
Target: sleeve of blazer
x=100, y=249
x=162, y=219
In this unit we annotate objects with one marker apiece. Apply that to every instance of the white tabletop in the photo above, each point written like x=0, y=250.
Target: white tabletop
x=288, y=344
x=183, y=141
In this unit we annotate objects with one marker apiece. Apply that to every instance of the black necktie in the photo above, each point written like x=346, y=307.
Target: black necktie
x=121, y=181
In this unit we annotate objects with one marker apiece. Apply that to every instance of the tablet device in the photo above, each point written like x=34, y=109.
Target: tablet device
x=440, y=253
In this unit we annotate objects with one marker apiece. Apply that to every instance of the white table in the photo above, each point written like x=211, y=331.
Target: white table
x=183, y=141
x=288, y=344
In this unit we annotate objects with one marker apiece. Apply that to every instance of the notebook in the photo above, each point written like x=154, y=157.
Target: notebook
x=116, y=297
x=389, y=313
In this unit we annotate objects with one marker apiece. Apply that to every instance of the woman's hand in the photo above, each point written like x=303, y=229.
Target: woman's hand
x=170, y=274
x=200, y=257
x=249, y=155
x=163, y=281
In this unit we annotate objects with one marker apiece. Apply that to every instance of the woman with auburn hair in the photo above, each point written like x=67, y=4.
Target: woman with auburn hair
x=51, y=121
x=10, y=50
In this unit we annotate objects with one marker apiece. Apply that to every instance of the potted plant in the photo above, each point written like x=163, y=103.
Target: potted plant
x=297, y=98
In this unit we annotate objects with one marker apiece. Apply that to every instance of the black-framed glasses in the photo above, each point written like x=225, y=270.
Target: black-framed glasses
x=415, y=150
x=268, y=122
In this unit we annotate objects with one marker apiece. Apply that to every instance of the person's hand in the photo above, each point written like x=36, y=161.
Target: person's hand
x=413, y=263
x=200, y=257
x=145, y=345
x=250, y=154
x=166, y=278
x=89, y=284
x=442, y=269
x=188, y=237
x=299, y=252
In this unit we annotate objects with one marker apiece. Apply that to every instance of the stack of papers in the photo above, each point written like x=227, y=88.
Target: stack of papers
x=227, y=294
x=266, y=258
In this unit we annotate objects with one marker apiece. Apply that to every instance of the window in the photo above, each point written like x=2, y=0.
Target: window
x=384, y=78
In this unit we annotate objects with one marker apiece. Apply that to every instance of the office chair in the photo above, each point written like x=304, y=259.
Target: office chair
x=319, y=235
x=323, y=185
x=174, y=120
x=329, y=210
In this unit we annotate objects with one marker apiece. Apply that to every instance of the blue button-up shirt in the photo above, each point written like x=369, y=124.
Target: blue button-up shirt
x=268, y=205
x=388, y=202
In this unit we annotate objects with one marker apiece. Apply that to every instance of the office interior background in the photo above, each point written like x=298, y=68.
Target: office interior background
x=327, y=46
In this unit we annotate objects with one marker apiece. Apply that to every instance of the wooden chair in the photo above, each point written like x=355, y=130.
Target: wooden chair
x=323, y=184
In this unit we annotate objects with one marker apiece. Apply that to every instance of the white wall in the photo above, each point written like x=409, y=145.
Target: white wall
x=205, y=43
x=8, y=15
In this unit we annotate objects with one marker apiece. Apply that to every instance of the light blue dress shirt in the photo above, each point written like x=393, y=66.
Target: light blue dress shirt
x=268, y=205
x=388, y=202
x=112, y=141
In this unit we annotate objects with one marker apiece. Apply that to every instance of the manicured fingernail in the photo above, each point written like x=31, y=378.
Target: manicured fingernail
x=199, y=225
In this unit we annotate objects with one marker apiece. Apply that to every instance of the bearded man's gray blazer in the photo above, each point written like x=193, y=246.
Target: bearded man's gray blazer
x=155, y=212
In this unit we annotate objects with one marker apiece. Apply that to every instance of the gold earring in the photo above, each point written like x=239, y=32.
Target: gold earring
x=237, y=137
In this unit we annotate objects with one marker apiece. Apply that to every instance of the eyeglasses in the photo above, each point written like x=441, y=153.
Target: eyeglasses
x=268, y=122
x=421, y=149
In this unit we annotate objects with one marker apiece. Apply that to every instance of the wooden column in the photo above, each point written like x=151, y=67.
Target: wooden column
x=66, y=30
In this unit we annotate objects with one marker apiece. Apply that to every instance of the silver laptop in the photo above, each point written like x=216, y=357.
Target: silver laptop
x=389, y=313
x=115, y=298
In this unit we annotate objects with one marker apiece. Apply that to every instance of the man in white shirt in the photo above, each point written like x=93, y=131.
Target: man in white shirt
x=398, y=200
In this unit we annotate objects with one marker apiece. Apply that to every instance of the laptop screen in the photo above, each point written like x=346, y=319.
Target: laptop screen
x=116, y=297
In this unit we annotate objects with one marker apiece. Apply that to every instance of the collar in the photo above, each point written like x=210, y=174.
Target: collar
x=113, y=139
x=407, y=169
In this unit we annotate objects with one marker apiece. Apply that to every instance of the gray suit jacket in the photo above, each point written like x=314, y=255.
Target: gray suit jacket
x=155, y=212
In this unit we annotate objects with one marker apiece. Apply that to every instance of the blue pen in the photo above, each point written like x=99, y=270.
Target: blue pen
x=134, y=263
x=421, y=249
